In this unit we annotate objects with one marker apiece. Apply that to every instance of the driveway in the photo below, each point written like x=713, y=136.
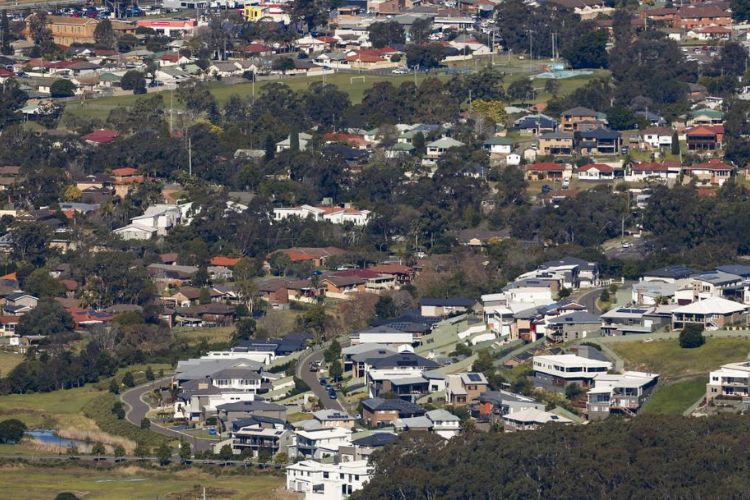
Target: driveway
x=588, y=300
x=137, y=408
x=311, y=379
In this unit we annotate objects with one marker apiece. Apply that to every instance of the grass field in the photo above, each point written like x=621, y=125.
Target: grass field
x=212, y=335
x=99, y=108
x=20, y=481
x=8, y=361
x=674, y=399
x=668, y=359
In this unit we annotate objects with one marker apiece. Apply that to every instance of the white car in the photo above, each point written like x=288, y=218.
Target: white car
x=400, y=71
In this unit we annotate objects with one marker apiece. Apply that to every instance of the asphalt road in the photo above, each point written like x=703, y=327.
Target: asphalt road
x=588, y=300
x=137, y=408
x=311, y=379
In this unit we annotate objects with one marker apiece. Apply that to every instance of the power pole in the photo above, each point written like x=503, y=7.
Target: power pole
x=190, y=156
x=531, y=47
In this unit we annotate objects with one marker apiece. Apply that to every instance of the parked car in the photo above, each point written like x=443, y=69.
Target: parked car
x=400, y=71
x=332, y=394
x=315, y=366
x=546, y=188
x=323, y=382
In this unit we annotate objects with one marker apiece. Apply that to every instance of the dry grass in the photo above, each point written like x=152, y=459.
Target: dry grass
x=97, y=436
x=8, y=361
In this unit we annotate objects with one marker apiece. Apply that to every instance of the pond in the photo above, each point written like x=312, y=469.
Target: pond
x=50, y=437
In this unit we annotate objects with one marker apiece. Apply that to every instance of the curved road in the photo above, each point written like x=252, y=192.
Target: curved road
x=311, y=379
x=588, y=300
x=137, y=409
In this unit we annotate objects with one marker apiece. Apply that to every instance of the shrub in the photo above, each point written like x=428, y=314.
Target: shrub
x=692, y=336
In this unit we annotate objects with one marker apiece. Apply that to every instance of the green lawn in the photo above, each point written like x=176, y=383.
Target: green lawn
x=674, y=399
x=220, y=334
x=50, y=409
x=136, y=483
x=668, y=359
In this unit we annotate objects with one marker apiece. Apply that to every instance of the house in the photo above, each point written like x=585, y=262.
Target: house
x=705, y=116
x=712, y=313
x=573, y=326
x=335, y=215
x=556, y=372
x=167, y=27
x=442, y=422
x=596, y=172
x=714, y=284
x=731, y=381
x=544, y=171
x=492, y=405
x=535, y=124
x=462, y=389
x=669, y=274
x=643, y=171
x=19, y=303
x=619, y=394
x=710, y=33
x=437, y=148
x=556, y=143
x=229, y=412
x=316, y=255
x=531, y=419
x=100, y=136
x=355, y=357
x=316, y=480
x=320, y=443
x=656, y=138
x=258, y=433
x=599, y=141
x=629, y=320
x=580, y=118
x=569, y=272
x=383, y=335
x=444, y=307
x=498, y=145
x=700, y=16
x=378, y=412
x=303, y=140
x=705, y=137
x=334, y=418
x=714, y=172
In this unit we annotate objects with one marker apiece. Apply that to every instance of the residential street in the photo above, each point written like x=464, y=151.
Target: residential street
x=137, y=409
x=311, y=379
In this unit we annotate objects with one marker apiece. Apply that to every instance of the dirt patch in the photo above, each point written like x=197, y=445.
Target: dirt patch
x=198, y=491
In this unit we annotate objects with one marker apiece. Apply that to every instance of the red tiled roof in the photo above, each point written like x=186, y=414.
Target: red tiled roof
x=601, y=167
x=9, y=320
x=392, y=269
x=257, y=48
x=4, y=73
x=702, y=130
x=101, y=136
x=124, y=171
x=649, y=167
x=224, y=261
x=357, y=273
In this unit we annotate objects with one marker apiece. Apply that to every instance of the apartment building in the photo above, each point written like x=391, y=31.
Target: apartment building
x=556, y=372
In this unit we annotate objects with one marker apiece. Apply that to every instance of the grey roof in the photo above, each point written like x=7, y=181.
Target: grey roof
x=600, y=134
x=498, y=397
x=738, y=269
x=452, y=302
x=558, y=135
x=673, y=272
x=576, y=318
x=408, y=381
x=331, y=415
x=718, y=278
x=375, y=440
x=250, y=406
x=402, y=359
x=534, y=121
x=191, y=369
x=579, y=111
x=372, y=354
x=569, y=261
x=399, y=405
x=237, y=373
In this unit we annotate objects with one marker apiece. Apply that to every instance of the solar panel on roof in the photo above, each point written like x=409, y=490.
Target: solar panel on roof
x=474, y=377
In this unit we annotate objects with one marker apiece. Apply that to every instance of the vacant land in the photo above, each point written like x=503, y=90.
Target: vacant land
x=668, y=359
x=8, y=361
x=218, y=335
x=674, y=399
x=134, y=483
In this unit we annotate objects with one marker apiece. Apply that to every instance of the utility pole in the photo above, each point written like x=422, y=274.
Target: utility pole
x=190, y=156
x=531, y=47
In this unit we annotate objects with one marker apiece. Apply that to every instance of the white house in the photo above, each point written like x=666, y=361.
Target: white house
x=556, y=372
x=436, y=149
x=657, y=137
x=531, y=419
x=264, y=357
x=382, y=335
x=498, y=145
x=440, y=421
x=320, y=443
x=596, y=172
x=304, y=140
x=712, y=313
x=334, y=215
x=157, y=219
x=320, y=481
x=135, y=232
x=731, y=381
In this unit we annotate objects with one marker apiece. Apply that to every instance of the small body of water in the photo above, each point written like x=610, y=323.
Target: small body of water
x=50, y=437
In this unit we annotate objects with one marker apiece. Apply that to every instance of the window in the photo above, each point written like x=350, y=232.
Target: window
x=325, y=475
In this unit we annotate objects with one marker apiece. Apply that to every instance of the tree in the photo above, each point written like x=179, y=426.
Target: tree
x=5, y=37
x=128, y=380
x=270, y=148
x=740, y=10
x=604, y=297
x=134, y=80
x=186, y=452
x=66, y=495
x=226, y=453
x=521, y=89
x=245, y=329
x=587, y=50
x=384, y=34
x=420, y=30
x=72, y=193
x=282, y=64
x=145, y=423
x=12, y=99
x=41, y=33
x=621, y=118
x=114, y=387
x=62, y=88
x=104, y=35
x=573, y=391
x=119, y=451
x=551, y=86
x=333, y=352
x=98, y=449
x=196, y=97
x=118, y=410
x=164, y=454
x=691, y=336
x=310, y=12
x=675, y=144
x=419, y=143
x=140, y=450
x=48, y=318
x=425, y=56
x=42, y=285
x=12, y=431
x=385, y=308
x=336, y=370
x=204, y=296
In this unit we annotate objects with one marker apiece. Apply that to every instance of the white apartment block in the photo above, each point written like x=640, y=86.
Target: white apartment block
x=320, y=481
x=730, y=381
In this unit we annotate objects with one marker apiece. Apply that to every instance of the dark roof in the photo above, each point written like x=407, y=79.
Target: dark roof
x=375, y=440
x=454, y=302
x=404, y=408
x=250, y=406
x=567, y=261
x=402, y=359
x=255, y=420
x=236, y=373
x=576, y=318
x=674, y=272
x=738, y=269
x=579, y=111
x=600, y=133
